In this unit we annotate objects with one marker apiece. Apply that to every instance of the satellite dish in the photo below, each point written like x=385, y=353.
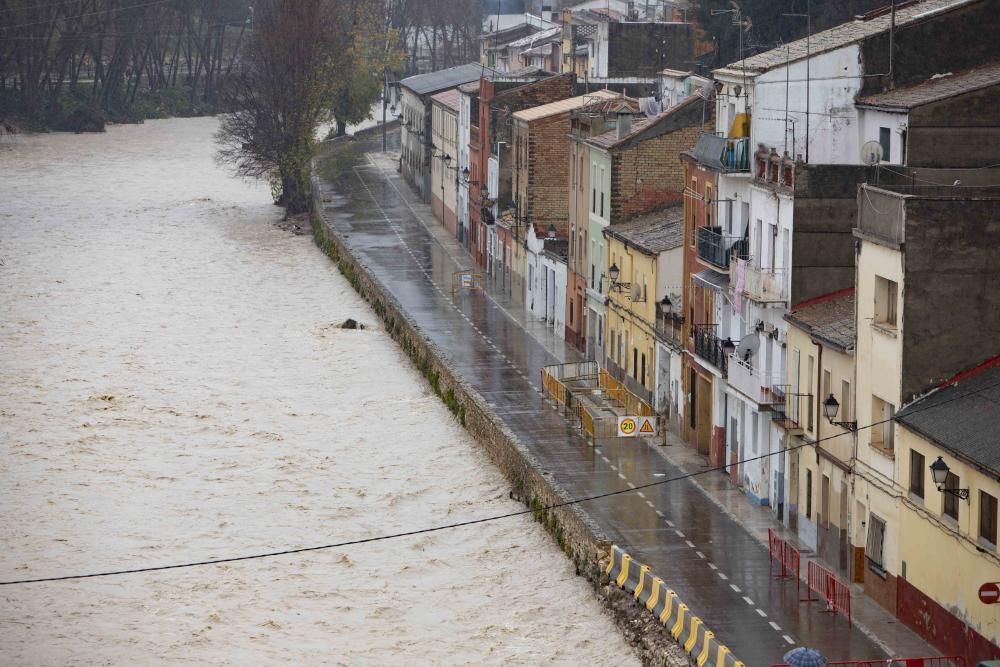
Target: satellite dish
x=636, y=292
x=748, y=346
x=871, y=153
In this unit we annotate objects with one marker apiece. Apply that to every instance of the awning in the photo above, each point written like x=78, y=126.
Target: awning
x=712, y=279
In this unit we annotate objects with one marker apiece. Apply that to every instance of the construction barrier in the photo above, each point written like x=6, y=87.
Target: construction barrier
x=687, y=629
x=620, y=394
x=935, y=661
x=466, y=280
x=823, y=582
x=787, y=557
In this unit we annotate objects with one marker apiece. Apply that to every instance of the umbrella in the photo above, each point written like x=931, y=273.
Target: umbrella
x=805, y=657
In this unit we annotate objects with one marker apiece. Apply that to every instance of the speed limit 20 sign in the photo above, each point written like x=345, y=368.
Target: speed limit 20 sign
x=630, y=427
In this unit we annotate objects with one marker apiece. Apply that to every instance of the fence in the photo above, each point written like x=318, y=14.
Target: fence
x=838, y=596
x=930, y=661
x=619, y=393
x=786, y=555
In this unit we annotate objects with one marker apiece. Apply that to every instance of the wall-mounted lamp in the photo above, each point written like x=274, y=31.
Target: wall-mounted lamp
x=939, y=471
x=830, y=408
x=666, y=306
x=551, y=232
x=614, y=273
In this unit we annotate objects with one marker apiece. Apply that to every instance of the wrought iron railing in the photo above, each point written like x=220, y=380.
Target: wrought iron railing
x=670, y=329
x=708, y=345
x=736, y=155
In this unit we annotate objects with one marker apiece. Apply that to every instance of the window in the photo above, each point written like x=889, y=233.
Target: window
x=882, y=433
x=571, y=313
x=809, y=493
x=875, y=547
x=950, y=499
x=593, y=188
x=600, y=331
x=635, y=363
x=708, y=205
x=885, y=302
x=827, y=384
x=987, y=518
x=917, y=474
x=690, y=202
x=885, y=139
x=592, y=276
x=846, y=402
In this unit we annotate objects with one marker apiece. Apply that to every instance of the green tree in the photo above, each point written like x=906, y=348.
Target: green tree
x=301, y=56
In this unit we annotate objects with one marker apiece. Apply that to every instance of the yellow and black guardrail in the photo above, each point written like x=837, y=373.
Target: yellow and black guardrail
x=687, y=629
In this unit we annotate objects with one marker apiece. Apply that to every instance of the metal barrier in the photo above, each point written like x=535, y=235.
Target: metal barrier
x=467, y=280
x=786, y=555
x=620, y=394
x=837, y=594
x=935, y=661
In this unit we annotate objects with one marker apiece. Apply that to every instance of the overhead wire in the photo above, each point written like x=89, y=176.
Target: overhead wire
x=470, y=522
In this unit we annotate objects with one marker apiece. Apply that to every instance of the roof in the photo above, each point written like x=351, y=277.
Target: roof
x=432, y=82
x=562, y=106
x=962, y=416
x=938, y=87
x=610, y=138
x=449, y=98
x=538, y=37
x=653, y=233
x=878, y=21
x=828, y=319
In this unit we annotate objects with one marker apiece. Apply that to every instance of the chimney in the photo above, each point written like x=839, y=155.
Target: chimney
x=624, y=124
x=548, y=14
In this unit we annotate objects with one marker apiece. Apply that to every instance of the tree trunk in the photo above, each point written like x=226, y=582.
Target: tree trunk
x=294, y=193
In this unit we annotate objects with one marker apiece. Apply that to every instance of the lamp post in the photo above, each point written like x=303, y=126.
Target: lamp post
x=830, y=408
x=551, y=232
x=939, y=471
x=614, y=273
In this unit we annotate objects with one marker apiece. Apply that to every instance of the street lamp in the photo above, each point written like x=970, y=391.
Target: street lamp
x=552, y=232
x=939, y=471
x=465, y=174
x=614, y=272
x=728, y=346
x=666, y=306
x=830, y=408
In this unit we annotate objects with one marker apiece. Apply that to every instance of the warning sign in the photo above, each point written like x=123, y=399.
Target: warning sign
x=630, y=427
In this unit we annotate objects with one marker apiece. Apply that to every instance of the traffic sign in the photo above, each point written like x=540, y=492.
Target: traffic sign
x=627, y=426
x=632, y=426
x=989, y=593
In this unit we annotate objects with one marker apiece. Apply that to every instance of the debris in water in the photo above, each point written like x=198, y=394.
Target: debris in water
x=351, y=323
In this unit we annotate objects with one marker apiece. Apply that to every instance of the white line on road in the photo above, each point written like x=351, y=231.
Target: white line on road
x=722, y=576
x=659, y=514
x=761, y=612
x=774, y=625
x=615, y=468
x=621, y=475
x=689, y=543
x=700, y=555
x=650, y=503
x=670, y=523
x=789, y=640
x=605, y=458
x=748, y=600
x=641, y=494
x=713, y=566
x=735, y=588
x=631, y=485
x=679, y=534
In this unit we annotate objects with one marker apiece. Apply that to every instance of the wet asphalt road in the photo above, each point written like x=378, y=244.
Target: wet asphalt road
x=714, y=564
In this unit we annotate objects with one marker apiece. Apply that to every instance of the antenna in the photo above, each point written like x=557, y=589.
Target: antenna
x=871, y=153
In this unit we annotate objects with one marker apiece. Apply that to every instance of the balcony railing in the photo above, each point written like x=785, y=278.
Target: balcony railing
x=750, y=381
x=761, y=285
x=670, y=328
x=786, y=410
x=718, y=249
x=708, y=345
x=736, y=155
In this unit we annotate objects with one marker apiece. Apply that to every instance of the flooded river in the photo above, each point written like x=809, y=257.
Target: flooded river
x=174, y=388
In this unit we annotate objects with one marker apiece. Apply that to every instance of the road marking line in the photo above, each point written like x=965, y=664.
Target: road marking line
x=689, y=543
x=722, y=576
x=761, y=612
x=659, y=514
x=774, y=625
x=631, y=485
x=606, y=459
x=615, y=468
x=748, y=600
x=650, y=503
x=621, y=475
x=735, y=588
x=670, y=523
x=789, y=640
x=700, y=554
x=679, y=534
x=641, y=494
x=713, y=566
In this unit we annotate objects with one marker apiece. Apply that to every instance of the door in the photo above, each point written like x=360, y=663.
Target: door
x=704, y=417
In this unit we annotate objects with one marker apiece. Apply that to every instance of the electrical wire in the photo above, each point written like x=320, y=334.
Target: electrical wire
x=471, y=522
x=105, y=12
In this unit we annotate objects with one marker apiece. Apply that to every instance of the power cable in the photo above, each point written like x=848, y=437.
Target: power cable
x=471, y=522
x=105, y=12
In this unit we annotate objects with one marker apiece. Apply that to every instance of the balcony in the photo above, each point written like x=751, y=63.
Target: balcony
x=760, y=285
x=670, y=329
x=731, y=156
x=751, y=382
x=785, y=408
x=708, y=345
x=718, y=249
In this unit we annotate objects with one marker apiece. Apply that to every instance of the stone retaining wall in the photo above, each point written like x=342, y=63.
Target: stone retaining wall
x=579, y=537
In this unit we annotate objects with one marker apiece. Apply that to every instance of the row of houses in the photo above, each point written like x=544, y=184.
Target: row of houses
x=794, y=260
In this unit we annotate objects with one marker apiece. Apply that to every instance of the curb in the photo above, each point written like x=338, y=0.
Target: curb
x=685, y=627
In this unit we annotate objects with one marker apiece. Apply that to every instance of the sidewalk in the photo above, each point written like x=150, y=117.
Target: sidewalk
x=711, y=553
